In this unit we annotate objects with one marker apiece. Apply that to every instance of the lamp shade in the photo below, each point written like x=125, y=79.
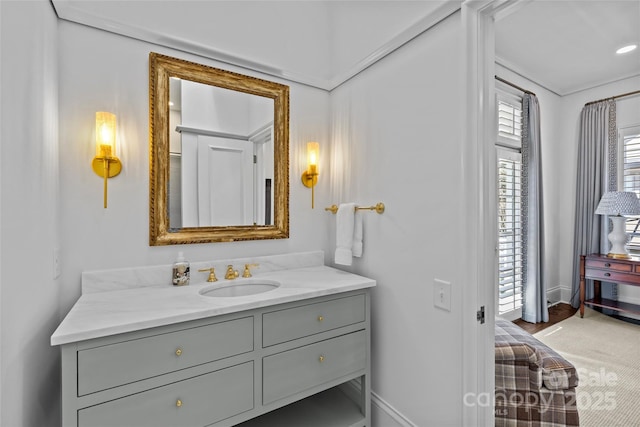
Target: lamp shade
x=619, y=203
x=105, y=134
x=313, y=154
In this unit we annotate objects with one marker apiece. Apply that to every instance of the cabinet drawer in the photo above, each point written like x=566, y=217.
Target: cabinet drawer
x=197, y=401
x=609, y=265
x=125, y=362
x=612, y=276
x=293, y=371
x=289, y=324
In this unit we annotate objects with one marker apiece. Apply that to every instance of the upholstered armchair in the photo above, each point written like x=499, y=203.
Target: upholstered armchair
x=535, y=386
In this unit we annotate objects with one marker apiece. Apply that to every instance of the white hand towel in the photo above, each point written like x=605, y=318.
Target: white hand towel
x=344, y=233
x=357, y=235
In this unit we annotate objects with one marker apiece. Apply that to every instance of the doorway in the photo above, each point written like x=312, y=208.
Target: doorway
x=479, y=165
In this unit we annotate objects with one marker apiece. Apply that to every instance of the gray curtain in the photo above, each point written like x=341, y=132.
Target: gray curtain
x=534, y=287
x=597, y=174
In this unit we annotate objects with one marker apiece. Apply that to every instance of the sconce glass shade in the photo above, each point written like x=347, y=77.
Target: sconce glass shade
x=105, y=134
x=616, y=204
x=313, y=154
x=310, y=176
x=106, y=164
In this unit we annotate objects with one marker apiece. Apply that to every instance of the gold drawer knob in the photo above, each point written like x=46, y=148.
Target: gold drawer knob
x=178, y=403
x=179, y=352
x=320, y=318
x=321, y=359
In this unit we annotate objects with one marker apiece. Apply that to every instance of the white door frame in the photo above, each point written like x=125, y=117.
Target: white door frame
x=478, y=214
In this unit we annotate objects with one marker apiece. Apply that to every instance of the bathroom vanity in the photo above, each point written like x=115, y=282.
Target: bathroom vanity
x=296, y=355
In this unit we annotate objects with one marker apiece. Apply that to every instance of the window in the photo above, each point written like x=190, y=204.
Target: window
x=630, y=140
x=509, y=176
x=510, y=121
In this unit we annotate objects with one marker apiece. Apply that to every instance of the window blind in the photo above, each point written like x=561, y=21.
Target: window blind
x=631, y=182
x=509, y=231
x=510, y=122
x=509, y=176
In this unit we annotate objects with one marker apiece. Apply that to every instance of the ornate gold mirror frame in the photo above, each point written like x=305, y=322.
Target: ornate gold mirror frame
x=161, y=68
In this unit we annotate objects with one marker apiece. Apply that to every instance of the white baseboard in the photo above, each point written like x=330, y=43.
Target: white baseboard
x=565, y=295
x=382, y=413
x=554, y=294
x=385, y=415
x=628, y=298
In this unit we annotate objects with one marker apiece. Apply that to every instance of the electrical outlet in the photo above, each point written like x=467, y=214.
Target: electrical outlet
x=57, y=270
x=442, y=294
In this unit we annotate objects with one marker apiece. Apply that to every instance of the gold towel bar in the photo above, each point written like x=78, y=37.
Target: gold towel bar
x=379, y=208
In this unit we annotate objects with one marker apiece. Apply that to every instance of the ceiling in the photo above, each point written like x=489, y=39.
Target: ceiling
x=568, y=46
x=563, y=45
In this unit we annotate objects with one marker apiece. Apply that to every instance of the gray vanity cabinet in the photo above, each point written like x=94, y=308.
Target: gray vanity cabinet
x=197, y=401
x=300, y=363
x=291, y=372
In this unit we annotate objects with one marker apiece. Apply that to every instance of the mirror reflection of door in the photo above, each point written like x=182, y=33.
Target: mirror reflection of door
x=217, y=176
x=221, y=162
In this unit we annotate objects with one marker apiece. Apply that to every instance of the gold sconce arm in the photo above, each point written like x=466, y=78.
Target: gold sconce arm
x=106, y=167
x=310, y=180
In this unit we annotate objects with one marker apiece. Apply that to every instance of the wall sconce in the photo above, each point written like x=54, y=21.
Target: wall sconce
x=310, y=176
x=105, y=163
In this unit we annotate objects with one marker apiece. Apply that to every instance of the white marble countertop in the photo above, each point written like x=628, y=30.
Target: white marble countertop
x=99, y=314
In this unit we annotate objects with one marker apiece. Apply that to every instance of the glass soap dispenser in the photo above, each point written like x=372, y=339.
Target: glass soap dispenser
x=180, y=271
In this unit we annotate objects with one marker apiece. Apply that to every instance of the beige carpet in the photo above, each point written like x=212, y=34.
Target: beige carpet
x=606, y=352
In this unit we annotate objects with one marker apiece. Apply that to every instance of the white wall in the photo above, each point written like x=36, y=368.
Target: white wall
x=30, y=367
x=104, y=71
x=396, y=131
x=628, y=113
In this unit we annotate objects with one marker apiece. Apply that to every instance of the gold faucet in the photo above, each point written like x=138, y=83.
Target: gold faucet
x=231, y=273
x=247, y=272
x=212, y=274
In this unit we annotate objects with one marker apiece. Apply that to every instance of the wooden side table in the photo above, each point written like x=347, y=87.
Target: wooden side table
x=602, y=268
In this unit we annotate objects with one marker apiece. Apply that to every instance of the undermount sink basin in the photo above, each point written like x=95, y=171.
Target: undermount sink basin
x=239, y=288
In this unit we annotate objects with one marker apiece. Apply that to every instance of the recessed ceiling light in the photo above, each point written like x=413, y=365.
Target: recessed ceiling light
x=626, y=49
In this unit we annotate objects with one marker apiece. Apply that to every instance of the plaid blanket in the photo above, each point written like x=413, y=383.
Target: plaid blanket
x=535, y=386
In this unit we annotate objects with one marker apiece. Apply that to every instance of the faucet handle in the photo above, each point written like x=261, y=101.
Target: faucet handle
x=212, y=274
x=231, y=273
x=247, y=272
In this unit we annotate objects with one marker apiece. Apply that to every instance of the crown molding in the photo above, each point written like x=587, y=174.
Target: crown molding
x=432, y=19
x=69, y=11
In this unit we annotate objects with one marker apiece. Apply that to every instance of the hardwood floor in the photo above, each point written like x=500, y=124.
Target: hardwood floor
x=557, y=313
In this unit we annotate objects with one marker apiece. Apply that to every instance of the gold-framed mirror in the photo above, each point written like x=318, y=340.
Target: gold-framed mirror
x=218, y=155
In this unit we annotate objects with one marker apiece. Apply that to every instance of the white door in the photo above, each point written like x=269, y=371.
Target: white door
x=217, y=181
x=224, y=201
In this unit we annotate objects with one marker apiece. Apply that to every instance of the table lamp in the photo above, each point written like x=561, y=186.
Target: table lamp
x=617, y=204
